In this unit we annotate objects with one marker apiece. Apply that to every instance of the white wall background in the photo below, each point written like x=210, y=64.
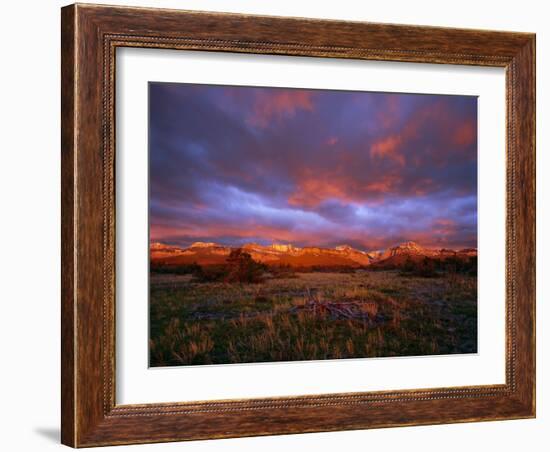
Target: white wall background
x=30, y=263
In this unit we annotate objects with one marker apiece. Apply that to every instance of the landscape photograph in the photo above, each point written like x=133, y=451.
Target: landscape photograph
x=292, y=224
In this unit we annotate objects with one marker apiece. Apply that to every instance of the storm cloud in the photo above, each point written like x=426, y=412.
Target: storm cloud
x=311, y=167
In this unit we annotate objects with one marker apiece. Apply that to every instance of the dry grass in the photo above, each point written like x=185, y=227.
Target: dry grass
x=214, y=323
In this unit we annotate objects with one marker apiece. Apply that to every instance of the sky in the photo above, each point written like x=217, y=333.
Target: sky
x=236, y=165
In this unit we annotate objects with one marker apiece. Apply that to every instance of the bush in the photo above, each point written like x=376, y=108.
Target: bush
x=429, y=268
x=282, y=271
x=457, y=265
x=426, y=268
x=211, y=273
x=239, y=268
x=243, y=269
x=184, y=269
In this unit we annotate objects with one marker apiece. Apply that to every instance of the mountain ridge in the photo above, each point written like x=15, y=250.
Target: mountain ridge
x=209, y=253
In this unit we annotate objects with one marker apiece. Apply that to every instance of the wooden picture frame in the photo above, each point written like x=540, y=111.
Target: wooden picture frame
x=90, y=36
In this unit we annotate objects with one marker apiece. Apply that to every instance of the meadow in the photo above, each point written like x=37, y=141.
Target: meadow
x=310, y=316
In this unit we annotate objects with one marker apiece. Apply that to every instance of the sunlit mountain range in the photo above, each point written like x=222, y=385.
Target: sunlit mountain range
x=210, y=253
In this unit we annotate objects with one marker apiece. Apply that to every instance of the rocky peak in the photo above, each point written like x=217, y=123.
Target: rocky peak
x=409, y=246
x=284, y=248
x=343, y=248
x=202, y=245
x=403, y=248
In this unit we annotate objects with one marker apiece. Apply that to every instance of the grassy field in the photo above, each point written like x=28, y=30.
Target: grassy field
x=286, y=319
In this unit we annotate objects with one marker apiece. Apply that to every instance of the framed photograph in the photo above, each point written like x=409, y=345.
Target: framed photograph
x=282, y=225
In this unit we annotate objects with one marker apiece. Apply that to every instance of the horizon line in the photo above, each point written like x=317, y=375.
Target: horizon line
x=397, y=244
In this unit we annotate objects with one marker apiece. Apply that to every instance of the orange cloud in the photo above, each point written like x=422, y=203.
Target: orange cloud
x=423, y=186
x=312, y=191
x=388, y=148
x=248, y=232
x=384, y=185
x=442, y=228
x=276, y=104
x=465, y=134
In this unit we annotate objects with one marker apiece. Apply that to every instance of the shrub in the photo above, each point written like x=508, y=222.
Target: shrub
x=184, y=269
x=457, y=265
x=211, y=273
x=282, y=271
x=429, y=268
x=243, y=269
x=326, y=269
x=239, y=268
x=426, y=268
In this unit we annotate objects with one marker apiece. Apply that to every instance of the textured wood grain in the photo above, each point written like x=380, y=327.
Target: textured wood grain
x=90, y=36
x=67, y=224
